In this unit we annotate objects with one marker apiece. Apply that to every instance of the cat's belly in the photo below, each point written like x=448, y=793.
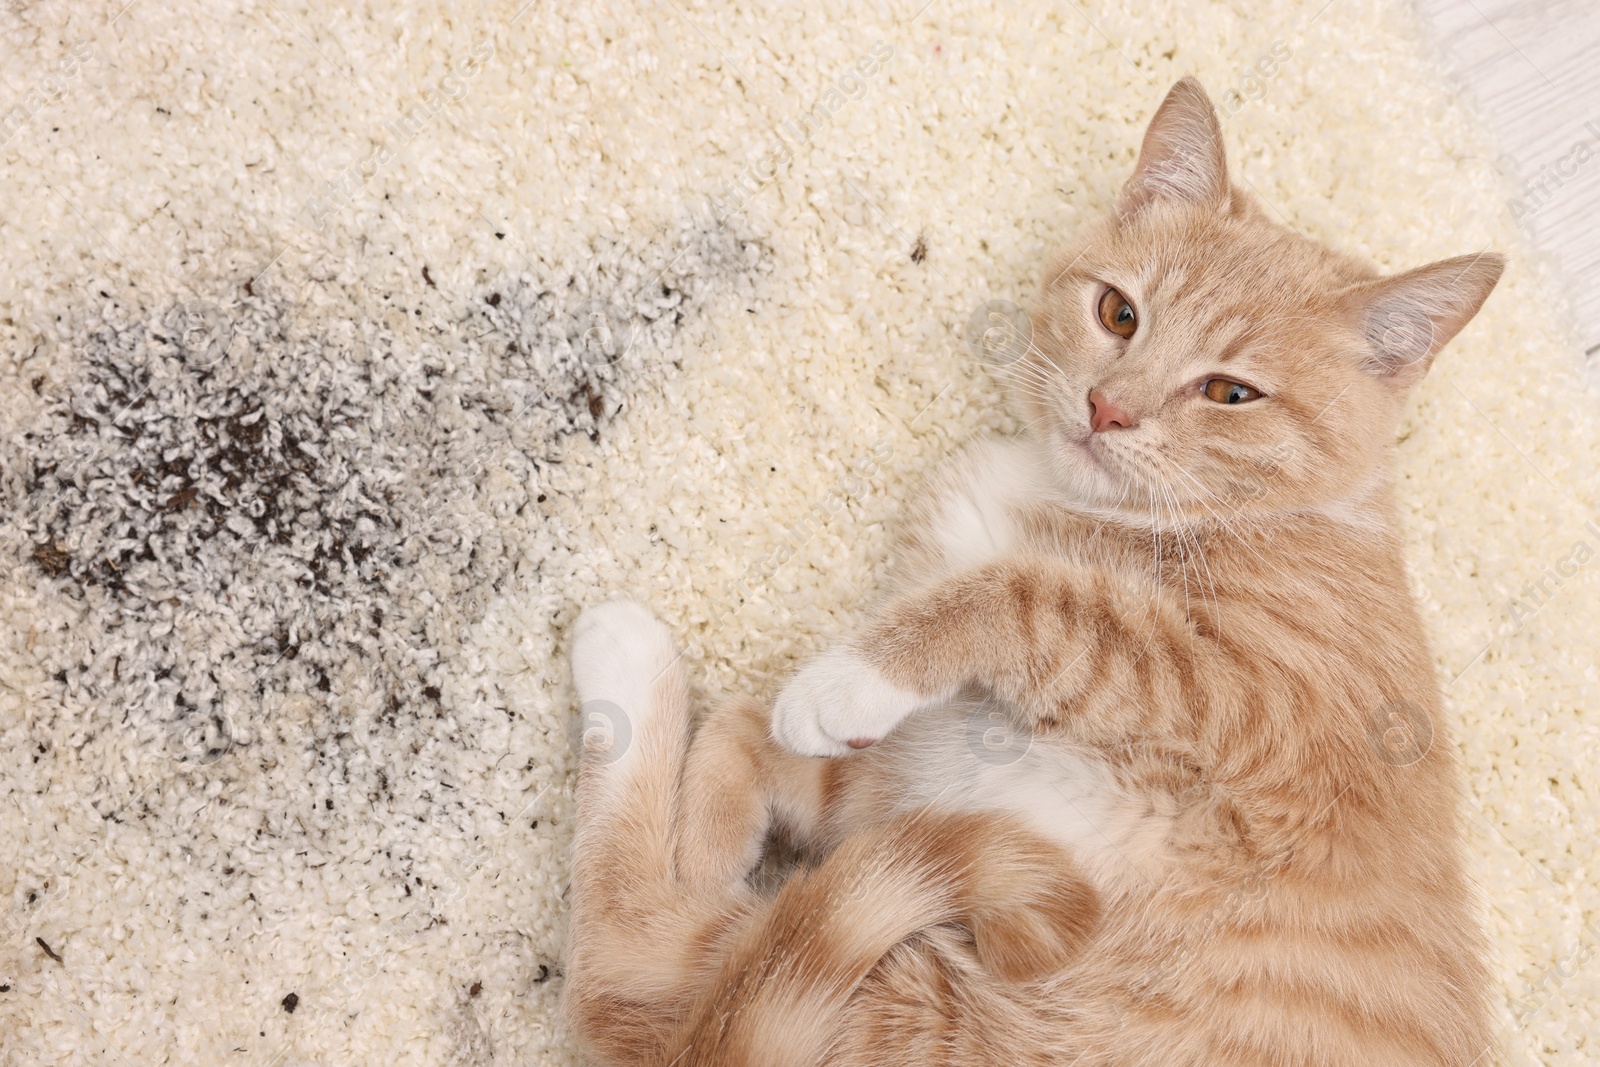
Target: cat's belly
x=969, y=756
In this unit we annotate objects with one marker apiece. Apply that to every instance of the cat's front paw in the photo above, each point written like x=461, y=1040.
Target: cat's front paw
x=838, y=702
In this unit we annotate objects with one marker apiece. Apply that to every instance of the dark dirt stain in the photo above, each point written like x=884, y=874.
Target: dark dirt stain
x=273, y=477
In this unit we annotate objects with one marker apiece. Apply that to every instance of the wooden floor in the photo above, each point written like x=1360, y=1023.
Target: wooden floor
x=1533, y=69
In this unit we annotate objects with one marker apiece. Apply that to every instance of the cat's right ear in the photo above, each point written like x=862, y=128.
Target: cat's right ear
x=1182, y=158
x=1405, y=319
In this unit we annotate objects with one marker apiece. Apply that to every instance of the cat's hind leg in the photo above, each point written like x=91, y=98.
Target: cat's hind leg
x=635, y=930
x=737, y=784
x=788, y=976
x=665, y=932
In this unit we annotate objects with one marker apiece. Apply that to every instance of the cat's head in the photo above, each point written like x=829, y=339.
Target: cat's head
x=1191, y=355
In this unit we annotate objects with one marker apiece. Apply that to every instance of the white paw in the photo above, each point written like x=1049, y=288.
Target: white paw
x=839, y=702
x=619, y=651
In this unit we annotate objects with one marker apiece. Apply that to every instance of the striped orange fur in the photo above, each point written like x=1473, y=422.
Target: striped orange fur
x=1221, y=823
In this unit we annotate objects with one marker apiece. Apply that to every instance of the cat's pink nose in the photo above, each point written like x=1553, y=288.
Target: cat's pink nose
x=1105, y=415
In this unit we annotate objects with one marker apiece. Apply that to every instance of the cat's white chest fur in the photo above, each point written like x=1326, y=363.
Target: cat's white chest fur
x=967, y=756
x=964, y=754
x=975, y=500
x=971, y=756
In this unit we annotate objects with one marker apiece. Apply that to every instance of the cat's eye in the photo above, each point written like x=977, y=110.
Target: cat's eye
x=1117, y=315
x=1225, y=392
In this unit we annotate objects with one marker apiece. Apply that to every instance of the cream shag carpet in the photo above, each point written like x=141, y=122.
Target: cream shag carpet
x=311, y=454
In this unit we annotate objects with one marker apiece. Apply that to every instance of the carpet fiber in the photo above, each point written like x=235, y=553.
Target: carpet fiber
x=349, y=352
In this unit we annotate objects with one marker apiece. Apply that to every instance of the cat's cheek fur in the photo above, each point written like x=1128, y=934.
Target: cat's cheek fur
x=838, y=698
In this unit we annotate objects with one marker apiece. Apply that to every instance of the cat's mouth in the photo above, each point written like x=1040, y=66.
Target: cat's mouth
x=1103, y=474
x=1092, y=447
x=1096, y=463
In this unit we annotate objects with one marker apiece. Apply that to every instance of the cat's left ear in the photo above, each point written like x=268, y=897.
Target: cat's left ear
x=1406, y=319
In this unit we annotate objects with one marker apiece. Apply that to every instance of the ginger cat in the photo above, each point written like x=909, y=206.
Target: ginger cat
x=1220, y=826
